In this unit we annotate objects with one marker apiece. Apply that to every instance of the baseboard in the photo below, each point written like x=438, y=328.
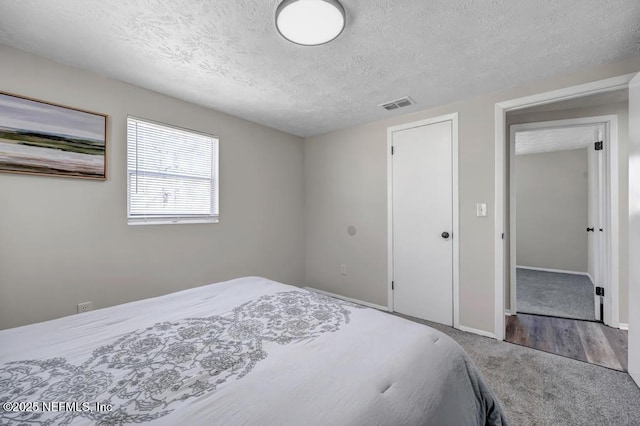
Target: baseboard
x=507, y=312
x=623, y=326
x=476, y=331
x=349, y=299
x=558, y=271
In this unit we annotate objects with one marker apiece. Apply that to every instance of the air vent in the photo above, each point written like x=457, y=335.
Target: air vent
x=398, y=103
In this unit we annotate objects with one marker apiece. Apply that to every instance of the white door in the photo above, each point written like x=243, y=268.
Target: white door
x=595, y=218
x=634, y=229
x=422, y=202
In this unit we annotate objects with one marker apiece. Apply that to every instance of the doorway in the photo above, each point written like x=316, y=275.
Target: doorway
x=423, y=219
x=559, y=209
x=574, y=93
x=600, y=251
x=558, y=200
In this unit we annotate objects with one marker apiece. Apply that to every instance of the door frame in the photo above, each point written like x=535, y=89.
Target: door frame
x=501, y=108
x=455, y=207
x=610, y=256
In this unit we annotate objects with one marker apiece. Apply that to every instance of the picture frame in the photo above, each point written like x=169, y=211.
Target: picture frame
x=44, y=138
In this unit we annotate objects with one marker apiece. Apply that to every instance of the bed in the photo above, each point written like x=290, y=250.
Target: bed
x=248, y=351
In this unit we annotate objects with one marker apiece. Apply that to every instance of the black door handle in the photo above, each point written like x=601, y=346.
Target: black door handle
x=445, y=235
x=590, y=229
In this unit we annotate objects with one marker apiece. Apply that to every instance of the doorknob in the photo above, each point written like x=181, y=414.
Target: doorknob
x=445, y=235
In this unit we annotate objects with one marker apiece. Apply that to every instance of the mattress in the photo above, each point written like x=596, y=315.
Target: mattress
x=248, y=351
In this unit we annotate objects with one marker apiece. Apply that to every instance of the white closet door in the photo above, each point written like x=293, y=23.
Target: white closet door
x=423, y=222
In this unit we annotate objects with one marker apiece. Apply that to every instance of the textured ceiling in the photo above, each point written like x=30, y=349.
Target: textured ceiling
x=557, y=139
x=227, y=55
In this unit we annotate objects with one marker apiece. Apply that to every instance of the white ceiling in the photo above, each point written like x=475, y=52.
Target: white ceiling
x=556, y=139
x=227, y=55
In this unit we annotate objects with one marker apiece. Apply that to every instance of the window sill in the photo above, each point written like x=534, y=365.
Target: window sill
x=168, y=221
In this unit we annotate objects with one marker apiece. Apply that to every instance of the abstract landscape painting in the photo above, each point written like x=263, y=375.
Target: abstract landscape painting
x=42, y=138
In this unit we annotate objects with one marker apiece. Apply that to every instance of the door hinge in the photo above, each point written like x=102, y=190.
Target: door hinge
x=599, y=291
x=599, y=146
x=393, y=287
x=392, y=150
x=503, y=235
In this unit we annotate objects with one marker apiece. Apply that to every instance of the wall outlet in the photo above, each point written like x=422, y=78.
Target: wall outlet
x=343, y=269
x=481, y=209
x=85, y=307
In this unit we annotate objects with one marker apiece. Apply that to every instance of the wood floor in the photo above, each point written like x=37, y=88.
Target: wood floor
x=587, y=341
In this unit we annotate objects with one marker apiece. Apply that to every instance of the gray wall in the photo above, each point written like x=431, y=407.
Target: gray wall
x=64, y=241
x=345, y=183
x=621, y=110
x=551, y=207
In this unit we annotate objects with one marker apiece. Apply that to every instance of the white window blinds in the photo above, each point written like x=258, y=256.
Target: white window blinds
x=172, y=174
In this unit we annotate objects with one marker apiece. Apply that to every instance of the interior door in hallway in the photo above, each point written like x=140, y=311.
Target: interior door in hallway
x=595, y=217
x=634, y=228
x=422, y=194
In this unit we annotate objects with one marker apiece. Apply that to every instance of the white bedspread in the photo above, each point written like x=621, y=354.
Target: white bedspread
x=244, y=352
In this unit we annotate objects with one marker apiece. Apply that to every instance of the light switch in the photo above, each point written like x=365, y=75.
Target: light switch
x=481, y=209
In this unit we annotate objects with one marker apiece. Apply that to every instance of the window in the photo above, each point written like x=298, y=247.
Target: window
x=172, y=174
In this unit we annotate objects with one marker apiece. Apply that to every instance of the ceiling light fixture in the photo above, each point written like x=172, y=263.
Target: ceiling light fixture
x=310, y=22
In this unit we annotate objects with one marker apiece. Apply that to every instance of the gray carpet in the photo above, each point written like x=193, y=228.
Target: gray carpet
x=555, y=294
x=538, y=388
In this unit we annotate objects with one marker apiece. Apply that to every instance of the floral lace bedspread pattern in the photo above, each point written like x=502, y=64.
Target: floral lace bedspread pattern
x=145, y=373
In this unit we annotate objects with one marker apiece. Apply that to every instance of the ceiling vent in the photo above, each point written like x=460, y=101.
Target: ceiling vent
x=398, y=103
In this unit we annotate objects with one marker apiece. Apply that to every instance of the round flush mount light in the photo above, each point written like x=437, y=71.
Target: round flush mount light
x=310, y=22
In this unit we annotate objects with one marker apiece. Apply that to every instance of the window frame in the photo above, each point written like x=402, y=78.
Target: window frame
x=163, y=219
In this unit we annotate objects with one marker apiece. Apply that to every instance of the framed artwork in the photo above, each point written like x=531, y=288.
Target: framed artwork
x=43, y=138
